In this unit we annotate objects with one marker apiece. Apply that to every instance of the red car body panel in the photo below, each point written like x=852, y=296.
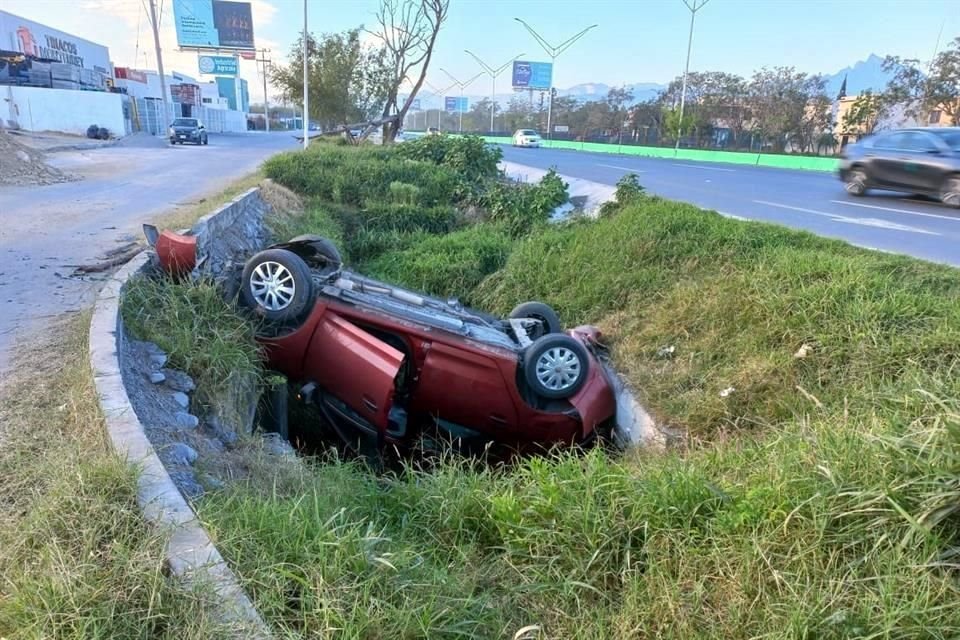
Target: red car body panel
x=177, y=253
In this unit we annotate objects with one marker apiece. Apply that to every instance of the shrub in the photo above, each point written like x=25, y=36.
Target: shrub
x=469, y=156
x=519, y=207
x=447, y=265
x=629, y=191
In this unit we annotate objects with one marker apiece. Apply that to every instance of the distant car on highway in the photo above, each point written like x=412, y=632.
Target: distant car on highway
x=433, y=131
x=924, y=161
x=526, y=138
x=185, y=130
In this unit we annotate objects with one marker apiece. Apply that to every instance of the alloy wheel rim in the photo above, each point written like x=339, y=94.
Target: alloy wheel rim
x=558, y=368
x=272, y=286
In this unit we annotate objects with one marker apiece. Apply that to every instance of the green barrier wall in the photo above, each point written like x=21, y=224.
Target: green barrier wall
x=806, y=163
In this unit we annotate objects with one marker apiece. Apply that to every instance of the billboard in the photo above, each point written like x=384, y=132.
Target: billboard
x=219, y=65
x=415, y=105
x=213, y=24
x=532, y=75
x=184, y=93
x=34, y=39
x=455, y=104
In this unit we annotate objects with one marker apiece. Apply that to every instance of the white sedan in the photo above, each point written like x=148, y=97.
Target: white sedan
x=526, y=138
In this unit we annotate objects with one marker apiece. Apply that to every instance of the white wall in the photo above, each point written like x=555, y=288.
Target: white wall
x=41, y=109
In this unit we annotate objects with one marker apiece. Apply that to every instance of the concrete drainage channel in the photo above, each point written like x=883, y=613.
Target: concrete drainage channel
x=146, y=405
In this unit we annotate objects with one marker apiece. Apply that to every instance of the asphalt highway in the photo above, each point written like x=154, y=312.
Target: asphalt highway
x=45, y=229
x=809, y=200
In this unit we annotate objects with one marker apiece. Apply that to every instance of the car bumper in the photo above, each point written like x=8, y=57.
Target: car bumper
x=528, y=143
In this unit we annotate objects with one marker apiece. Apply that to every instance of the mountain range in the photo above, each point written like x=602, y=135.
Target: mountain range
x=862, y=75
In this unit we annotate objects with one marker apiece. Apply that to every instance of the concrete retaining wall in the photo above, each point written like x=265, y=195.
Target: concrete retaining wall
x=41, y=109
x=191, y=554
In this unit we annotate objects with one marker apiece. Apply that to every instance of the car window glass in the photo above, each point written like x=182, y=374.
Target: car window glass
x=951, y=139
x=919, y=142
x=891, y=141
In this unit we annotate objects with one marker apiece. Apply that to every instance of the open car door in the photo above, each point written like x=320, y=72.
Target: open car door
x=356, y=368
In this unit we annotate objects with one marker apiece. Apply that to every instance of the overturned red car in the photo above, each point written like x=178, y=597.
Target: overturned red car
x=385, y=363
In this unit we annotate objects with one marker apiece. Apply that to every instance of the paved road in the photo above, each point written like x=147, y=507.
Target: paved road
x=803, y=199
x=44, y=228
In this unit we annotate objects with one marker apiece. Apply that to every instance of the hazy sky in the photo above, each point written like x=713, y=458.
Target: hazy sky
x=635, y=41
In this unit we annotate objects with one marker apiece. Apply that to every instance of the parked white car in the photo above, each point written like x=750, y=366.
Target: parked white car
x=526, y=138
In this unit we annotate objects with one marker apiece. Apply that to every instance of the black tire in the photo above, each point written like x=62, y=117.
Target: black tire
x=857, y=182
x=266, y=283
x=314, y=249
x=950, y=191
x=566, y=356
x=544, y=313
x=204, y=140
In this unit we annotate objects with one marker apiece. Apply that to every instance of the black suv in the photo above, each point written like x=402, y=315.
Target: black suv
x=185, y=130
x=922, y=160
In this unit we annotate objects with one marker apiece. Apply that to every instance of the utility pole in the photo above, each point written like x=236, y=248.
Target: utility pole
x=306, y=100
x=693, y=6
x=266, y=109
x=493, y=87
x=163, y=79
x=553, y=52
x=457, y=83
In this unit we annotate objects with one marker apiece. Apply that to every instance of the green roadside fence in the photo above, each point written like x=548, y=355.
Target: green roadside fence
x=805, y=163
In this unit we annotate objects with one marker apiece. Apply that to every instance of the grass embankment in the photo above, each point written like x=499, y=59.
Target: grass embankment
x=76, y=558
x=819, y=498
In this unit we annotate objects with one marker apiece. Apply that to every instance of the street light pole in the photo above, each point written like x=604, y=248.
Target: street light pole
x=441, y=93
x=553, y=52
x=163, y=81
x=693, y=6
x=306, y=97
x=493, y=87
x=461, y=85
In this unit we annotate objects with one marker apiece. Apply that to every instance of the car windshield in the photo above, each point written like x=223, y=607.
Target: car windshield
x=527, y=132
x=185, y=122
x=951, y=138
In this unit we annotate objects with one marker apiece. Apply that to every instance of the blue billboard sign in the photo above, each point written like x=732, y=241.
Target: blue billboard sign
x=415, y=105
x=532, y=75
x=455, y=104
x=213, y=24
x=219, y=65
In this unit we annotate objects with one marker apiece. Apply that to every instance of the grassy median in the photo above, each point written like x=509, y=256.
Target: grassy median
x=817, y=494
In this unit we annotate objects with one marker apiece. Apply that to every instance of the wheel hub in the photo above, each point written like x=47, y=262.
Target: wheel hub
x=272, y=286
x=558, y=368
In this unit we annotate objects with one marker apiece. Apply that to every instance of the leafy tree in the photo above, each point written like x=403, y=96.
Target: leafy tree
x=921, y=93
x=408, y=31
x=347, y=79
x=779, y=98
x=478, y=117
x=646, y=120
x=865, y=113
x=520, y=114
x=617, y=102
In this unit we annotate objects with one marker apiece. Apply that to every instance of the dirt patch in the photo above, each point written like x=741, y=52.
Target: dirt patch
x=22, y=165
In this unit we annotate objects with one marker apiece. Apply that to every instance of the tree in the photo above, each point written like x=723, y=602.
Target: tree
x=478, y=117
x=347, y=79
x=520, y=114
x=865, y=113
x=617, y=101
x=779, y=98
x=408, y=31
x=920, y=93
x=646, y=121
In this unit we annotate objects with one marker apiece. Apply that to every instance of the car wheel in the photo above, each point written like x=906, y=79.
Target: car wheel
x=204, y=139
x=548, y=320
x=556, y=366
x=277, y=285
x=324, y=247
x=950, y=192
x=856, y=182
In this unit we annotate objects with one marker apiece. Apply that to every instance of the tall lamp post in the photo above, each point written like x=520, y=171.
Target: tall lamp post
x=306, y=99
x=493, y=76
x=693, y=6
x=553, y=52
x=439, y=92
x=457, y=83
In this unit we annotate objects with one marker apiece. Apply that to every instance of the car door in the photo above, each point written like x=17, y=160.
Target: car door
x=356, y=367
x=886, y=160
x=926, y=171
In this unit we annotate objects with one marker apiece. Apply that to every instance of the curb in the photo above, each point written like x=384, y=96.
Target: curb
x=190, y=554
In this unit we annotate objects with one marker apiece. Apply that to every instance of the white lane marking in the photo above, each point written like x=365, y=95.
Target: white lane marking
x=697, y=166
x=866, y=222
x=907, y=211
x=613, y=166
